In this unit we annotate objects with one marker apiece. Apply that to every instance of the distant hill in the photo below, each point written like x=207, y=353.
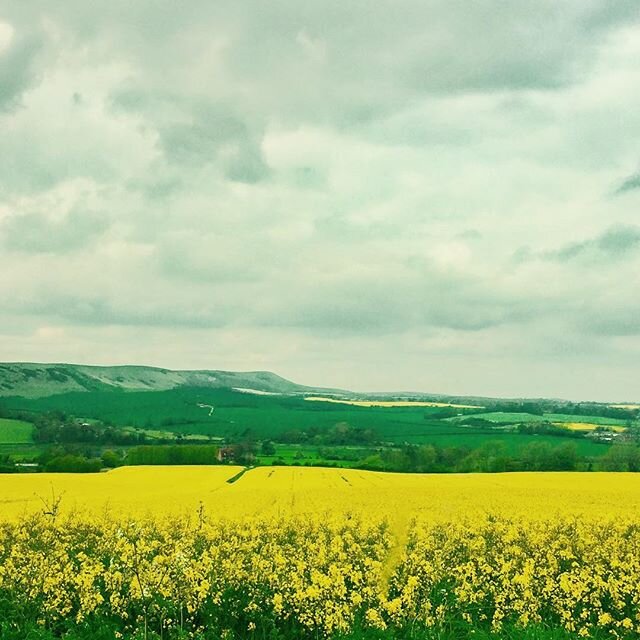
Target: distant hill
x=38, y=380
x=31, y=380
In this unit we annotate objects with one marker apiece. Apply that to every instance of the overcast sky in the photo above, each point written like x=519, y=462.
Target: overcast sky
x=439, y=195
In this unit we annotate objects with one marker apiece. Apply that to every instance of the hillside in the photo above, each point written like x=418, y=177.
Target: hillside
x=31, y=380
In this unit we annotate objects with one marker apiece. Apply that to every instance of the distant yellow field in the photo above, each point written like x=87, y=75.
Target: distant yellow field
x=393, y=403
x=630, y=407
x=588, y=426
x=282, y=491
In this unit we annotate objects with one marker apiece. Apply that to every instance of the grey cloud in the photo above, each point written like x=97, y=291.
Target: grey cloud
x=245, y=163
x=194, y=133
x=569, y=251
x=227, y=287
x=209, y=258
x=381, y=304
x=101, y=310
x=19, y=67
x=616, y=242
x=104, y=312
x=38, y=233
x=632, y=183
x=375, y=58
x=393, y=52
x=469, y=234
x=159, y=189
x=613, y=322
x=619, y=240
x=211, y=138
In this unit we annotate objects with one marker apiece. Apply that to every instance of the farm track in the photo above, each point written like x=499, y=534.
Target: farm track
x=238, y=476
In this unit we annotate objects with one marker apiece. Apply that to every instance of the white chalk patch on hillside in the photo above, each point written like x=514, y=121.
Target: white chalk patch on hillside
x=256, y=391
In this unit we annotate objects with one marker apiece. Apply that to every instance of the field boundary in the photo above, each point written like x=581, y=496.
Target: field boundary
x=238, y=475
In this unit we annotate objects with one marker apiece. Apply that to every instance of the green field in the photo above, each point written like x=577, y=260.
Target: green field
x=16, y=439
x=237, y=414
x=565, y=417
x=503, y=417
x=15, y=432
x=177, y=410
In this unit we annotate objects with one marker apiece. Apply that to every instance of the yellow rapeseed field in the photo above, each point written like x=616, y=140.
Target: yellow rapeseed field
x=282, y=491
x=392, y=403
x=314, y=551
x=589, y=426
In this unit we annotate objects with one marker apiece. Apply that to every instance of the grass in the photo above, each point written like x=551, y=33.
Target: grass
x=568, y=417
x=21, y=452
x=160, y=434
x=14, y=432
x=350, y=456
x=103, y=629
x=502, y=417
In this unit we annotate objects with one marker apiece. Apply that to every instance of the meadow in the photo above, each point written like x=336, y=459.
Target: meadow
x=15, y=431
x=16, y=439
x=181, y=552
x=502, y=417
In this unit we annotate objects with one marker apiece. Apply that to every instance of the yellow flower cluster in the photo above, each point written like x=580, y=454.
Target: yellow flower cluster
x=322, y=574
x=577, y=573
x=311, y=574
x=309, y=551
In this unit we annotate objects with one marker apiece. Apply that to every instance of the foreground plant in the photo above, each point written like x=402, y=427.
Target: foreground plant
x=317, y=576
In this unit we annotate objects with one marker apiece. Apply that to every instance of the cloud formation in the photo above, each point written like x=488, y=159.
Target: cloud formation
x=37, y=233
x=631, y=183
x=614, y=243
x=20, y=56
x=390, y=195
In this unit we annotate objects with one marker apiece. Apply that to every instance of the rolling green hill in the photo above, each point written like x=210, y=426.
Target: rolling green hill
x=40, y=380
x=263, y=405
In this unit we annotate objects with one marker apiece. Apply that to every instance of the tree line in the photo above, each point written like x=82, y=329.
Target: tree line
x=493, y=457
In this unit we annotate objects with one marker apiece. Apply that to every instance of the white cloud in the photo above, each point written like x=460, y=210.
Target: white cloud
x=6, y=36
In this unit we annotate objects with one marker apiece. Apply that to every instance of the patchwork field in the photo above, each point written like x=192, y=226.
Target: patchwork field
x=224, y=413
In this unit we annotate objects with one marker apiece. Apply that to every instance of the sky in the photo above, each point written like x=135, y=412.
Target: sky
x=433, y=195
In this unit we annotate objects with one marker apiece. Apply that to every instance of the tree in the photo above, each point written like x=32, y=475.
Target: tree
x=111, y=459
x=268, y=448
x=565, y=457
x=536, y=456
x=621, y=457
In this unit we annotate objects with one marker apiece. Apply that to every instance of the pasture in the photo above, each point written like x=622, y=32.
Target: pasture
x=15, y=432
x=501, y=417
